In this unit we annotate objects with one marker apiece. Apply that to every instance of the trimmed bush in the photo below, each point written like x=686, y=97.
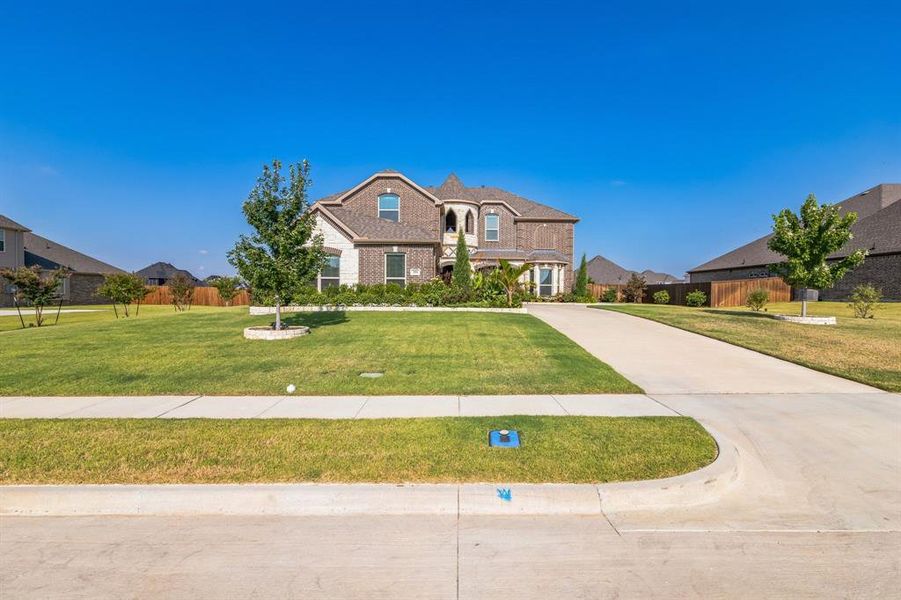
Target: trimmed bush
x=695, y=298
x=609, y=295
x=865, y=300
x=757, y=299
x=661, y=297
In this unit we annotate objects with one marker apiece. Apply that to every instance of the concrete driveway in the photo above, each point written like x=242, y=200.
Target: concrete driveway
x=666, y=360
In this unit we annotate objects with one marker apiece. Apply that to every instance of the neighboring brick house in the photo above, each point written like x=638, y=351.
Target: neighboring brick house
x=159, y=273
x=604, y=271
x=389, y=229
x=20, y=247
x=877, y=230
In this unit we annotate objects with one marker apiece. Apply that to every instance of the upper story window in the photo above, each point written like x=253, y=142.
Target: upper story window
x=470, y=222
x=389, y=207
x=492, y=227
x=2, y=240
x=450, y=222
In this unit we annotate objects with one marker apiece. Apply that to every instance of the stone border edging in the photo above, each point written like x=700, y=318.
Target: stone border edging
x=270, y=310
x=703, y=486
x=806, y=320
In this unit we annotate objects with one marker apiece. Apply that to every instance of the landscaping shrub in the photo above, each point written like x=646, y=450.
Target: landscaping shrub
x=227, y=287
x=609, y=295
x=661, y=297
x=182, y=290
x=124, y=289
x=695, y=298
x=865, y=300
x=634, y=290
x=580, y=289
x=757, y=299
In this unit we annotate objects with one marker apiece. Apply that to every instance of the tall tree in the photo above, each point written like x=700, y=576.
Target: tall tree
x=462, y=271
x=36, y=287
x=284, y=253
x=581, y=287
x=806, y=240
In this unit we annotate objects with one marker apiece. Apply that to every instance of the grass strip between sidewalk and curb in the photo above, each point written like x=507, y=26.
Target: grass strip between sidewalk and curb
x=863, y=350
x=433, y=450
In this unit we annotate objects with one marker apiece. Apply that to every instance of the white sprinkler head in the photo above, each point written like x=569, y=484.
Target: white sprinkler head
x=292, y=388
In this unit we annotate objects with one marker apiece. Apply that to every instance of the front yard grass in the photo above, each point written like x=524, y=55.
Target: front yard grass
x=454, y=449
x=203, y=352
x=864, y=350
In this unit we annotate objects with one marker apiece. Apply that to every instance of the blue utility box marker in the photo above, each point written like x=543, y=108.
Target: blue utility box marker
x=503, y=438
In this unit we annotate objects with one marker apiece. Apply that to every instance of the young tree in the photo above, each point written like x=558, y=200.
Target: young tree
x=181, y=288
x=508, y=277
x=462, y=277
x=757, y=299
x=634, y=290
x=283, y=254
x=806, y=240
x=124, y=289
x=865, y=300
x=227, y=287
x=581, y=287
x=36, y=287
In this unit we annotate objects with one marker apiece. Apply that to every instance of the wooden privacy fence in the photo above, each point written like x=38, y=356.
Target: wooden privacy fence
x=203, y=296
x=720, y=294
x=735, y=292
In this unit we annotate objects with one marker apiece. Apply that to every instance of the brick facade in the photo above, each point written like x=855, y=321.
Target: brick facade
x=507, y=228
x=372, y=262
x=881, y=270
x=416, y=208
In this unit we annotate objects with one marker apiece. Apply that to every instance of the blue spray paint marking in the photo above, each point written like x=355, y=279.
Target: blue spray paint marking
x=505, y=494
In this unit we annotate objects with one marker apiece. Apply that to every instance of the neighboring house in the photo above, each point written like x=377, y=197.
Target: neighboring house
x=159, y=273
x=20, y=247
x=606, y=272
x=877, y=230
x=389, y=229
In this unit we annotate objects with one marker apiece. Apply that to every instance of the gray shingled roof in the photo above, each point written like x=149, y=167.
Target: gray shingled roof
x=50, y=255
x=453, y=189
x=878, y=229
x=7, y=223
x=368, y=228
x=164, y=270
x=607, y=272
x=497, y=254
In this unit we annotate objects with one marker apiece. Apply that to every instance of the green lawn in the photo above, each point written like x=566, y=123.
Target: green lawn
x=203, y=352
x=555, y=449
x=865, y=350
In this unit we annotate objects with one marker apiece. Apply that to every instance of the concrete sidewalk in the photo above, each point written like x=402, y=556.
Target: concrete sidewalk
x=328, y=407
x=666, y=360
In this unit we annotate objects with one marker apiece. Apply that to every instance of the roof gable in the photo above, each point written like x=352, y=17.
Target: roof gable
x=50, y=255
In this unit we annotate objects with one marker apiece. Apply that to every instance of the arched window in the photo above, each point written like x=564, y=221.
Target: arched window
x=450, y=222
x=389, y=207
x=470, y=222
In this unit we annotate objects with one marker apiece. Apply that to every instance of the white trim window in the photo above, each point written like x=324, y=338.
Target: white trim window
x=330, y=275
x=396, y=268
x=389, y=207
x=545, y=281
x=492, y=227
x=2, y=240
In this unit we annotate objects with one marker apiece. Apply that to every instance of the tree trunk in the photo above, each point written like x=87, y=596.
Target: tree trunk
x=278, y=316
x=803, y=302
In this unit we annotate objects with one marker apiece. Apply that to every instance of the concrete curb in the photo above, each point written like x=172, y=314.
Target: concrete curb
x=311, y=499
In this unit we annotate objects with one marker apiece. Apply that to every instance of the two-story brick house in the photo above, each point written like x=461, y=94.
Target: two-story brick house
x=389, y=229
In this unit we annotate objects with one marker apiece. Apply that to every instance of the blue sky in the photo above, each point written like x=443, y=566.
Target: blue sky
x=673, y=129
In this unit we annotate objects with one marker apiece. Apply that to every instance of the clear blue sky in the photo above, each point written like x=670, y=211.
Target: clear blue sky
x=673, y=129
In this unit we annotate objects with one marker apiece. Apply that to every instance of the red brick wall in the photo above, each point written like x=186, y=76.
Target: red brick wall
x=532, y=235
x=507, y=233
x=372, y=262
x=415, y=208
